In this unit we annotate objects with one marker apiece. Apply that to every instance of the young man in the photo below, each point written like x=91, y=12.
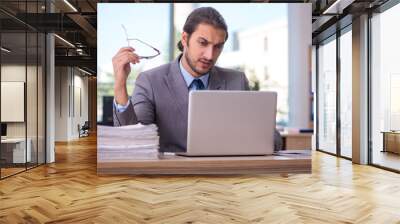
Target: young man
x=161, y=94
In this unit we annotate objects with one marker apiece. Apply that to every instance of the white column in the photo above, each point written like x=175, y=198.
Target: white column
x=360, y=90
x=50, y=99
x=299, y=36
x=50, y=92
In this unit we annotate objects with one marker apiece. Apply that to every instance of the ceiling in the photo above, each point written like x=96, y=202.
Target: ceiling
x=74, y=22
x=332, y=15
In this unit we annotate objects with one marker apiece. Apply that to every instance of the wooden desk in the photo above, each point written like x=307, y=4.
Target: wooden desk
x=296, y=140
x=151, y=162
x=391, y=141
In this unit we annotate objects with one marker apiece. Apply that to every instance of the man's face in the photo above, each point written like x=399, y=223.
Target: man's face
x=203, y=48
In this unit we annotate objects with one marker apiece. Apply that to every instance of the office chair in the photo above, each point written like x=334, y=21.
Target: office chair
x=84, y=130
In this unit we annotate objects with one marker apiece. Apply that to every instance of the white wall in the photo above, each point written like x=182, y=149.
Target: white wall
x=80, y=100
x=71, y=94
x=62, y=81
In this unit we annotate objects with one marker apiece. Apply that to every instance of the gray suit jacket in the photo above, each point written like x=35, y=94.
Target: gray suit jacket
x=161, y=97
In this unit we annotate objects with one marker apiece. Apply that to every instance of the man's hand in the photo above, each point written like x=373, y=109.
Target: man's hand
x=122, y=68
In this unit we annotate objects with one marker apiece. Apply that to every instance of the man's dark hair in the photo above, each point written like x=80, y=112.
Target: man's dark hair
x=207, y=15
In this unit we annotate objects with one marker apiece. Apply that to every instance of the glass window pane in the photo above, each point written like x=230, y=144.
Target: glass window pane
x=41, y=98
x=385, y=86
x=13, y=84
x=346, y=94
x=327, y=97
x=22, y=88
x=32, y=85
x=31, y=97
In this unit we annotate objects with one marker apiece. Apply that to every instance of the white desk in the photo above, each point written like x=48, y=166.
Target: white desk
x=18, y=150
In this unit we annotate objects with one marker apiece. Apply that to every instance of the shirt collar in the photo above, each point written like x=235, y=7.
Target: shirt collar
x=189, y=78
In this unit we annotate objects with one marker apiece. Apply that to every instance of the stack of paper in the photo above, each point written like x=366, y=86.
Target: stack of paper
x=126, y=141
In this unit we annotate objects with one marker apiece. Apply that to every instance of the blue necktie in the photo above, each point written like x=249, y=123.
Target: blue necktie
x=198, y=84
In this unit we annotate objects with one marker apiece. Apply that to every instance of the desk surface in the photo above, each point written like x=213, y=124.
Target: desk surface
x=390, y=132
x=13, y=140
x=287, y=134
x=151, y=162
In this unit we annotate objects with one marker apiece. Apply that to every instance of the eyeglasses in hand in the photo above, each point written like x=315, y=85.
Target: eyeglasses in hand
x=157, y=52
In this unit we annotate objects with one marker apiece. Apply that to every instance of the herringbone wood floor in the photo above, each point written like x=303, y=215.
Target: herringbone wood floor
x=69, y=191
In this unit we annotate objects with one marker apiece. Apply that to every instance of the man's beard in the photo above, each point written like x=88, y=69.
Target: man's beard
x=192, y=66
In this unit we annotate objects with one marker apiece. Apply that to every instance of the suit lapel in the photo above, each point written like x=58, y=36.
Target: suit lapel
x=216, y=82
x=177, y=86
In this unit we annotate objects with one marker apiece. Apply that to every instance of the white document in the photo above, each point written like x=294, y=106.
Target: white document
x=127, y=138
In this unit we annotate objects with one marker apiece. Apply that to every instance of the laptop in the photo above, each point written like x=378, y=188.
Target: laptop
x=231, y=123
